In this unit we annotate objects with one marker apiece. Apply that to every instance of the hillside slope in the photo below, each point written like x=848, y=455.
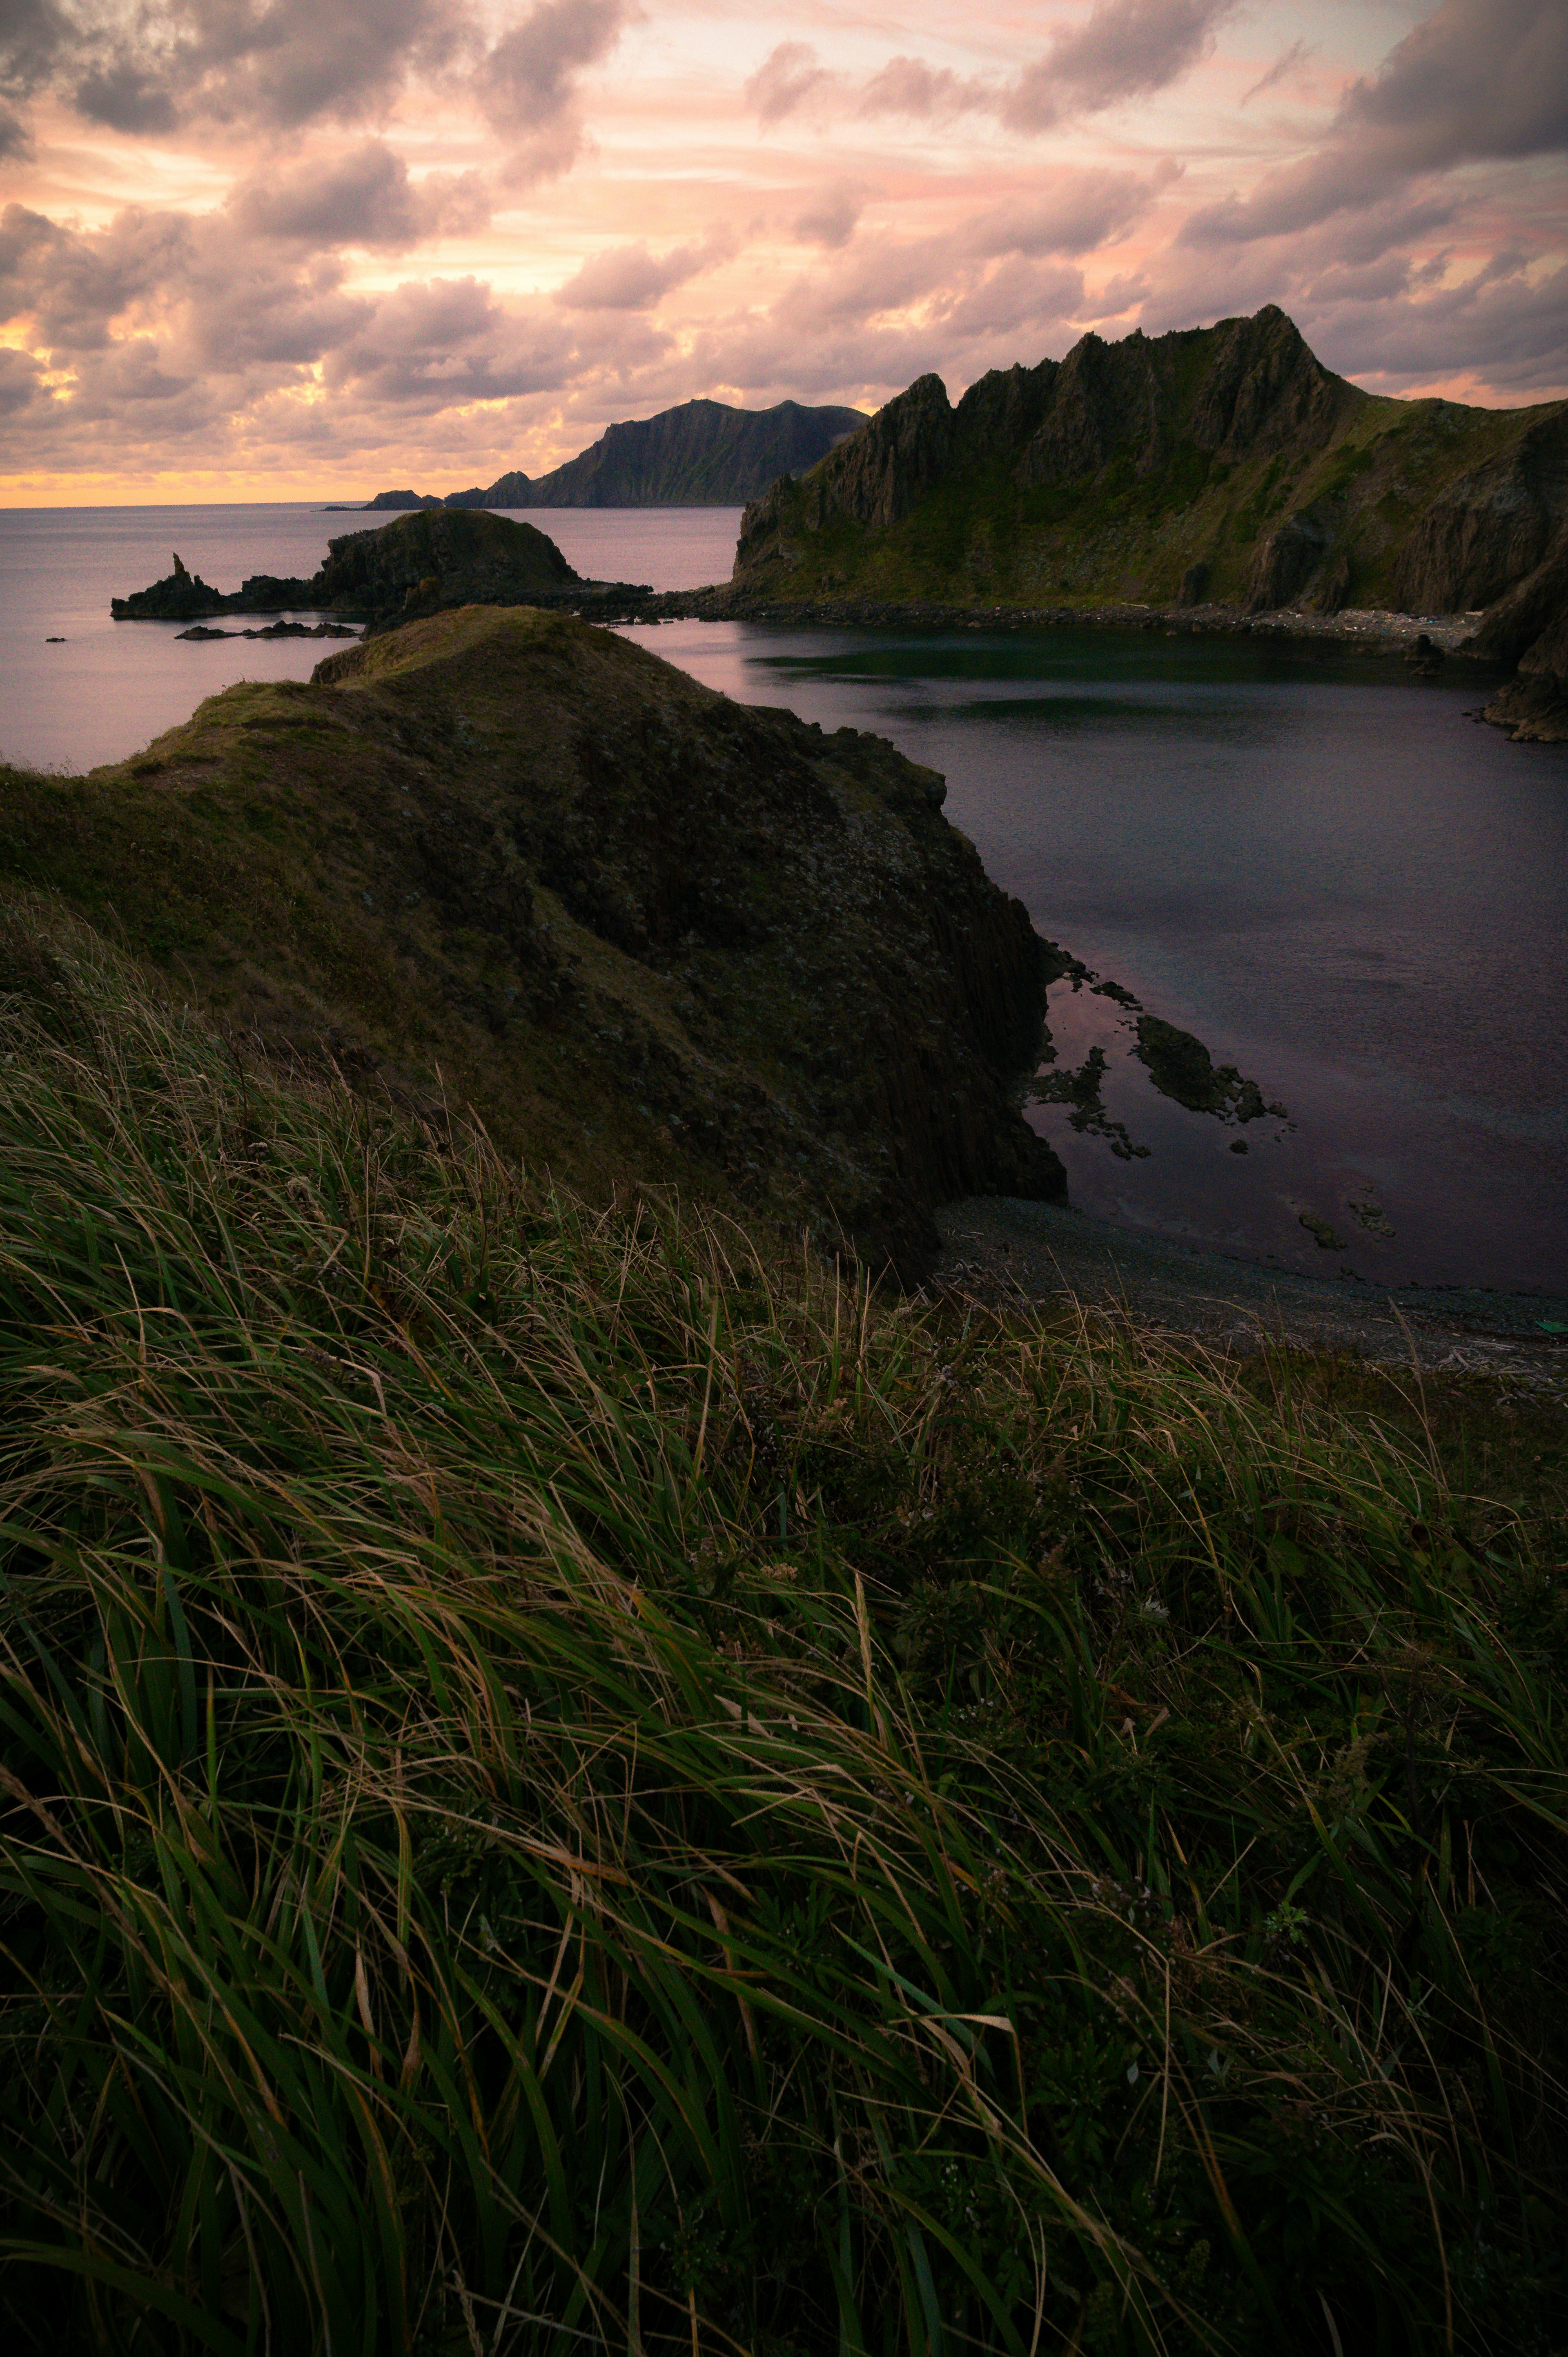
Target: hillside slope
x=1223, y=463
x=502, y=858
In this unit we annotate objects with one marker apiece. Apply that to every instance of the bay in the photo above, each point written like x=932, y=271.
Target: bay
x=1342, y=885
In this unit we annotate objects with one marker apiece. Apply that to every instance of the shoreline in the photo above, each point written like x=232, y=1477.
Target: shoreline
x=1372, y=630
x=1001, y=1249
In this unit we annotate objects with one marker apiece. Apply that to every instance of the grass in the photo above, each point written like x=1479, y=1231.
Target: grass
x=567, y=1782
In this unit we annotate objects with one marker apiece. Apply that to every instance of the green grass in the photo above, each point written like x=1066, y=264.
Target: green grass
x=569, y=1783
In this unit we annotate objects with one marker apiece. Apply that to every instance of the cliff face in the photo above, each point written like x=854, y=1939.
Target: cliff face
x=1224, y=462
x=648, y=933
x=1530, y=630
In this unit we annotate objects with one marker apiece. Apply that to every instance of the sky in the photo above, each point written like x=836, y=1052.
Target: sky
x=291, y=248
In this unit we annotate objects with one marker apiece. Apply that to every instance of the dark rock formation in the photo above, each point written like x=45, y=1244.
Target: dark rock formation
x=179, y=596
x=1287, y=560
x=704, y=454
x=1491, y=526
x=473, y=558
x=401, y=499
x=1127, y=472
x=1530, y=630
x=276, y=631
x=507, y=860
x=425, y=561
x=510, y=491
x=1181, y=1068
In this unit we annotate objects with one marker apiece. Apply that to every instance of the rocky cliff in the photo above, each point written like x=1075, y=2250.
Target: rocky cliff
x=1528, y=628
x=1224, y=464
x=425, y=562
x=648, y=933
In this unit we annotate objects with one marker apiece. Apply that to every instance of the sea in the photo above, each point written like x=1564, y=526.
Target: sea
x=1323, y=867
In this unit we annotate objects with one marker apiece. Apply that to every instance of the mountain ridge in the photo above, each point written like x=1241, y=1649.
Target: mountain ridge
x=1223, y=464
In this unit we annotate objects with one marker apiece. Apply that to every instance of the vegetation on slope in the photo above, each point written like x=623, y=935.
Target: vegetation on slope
x=564, y=1784
x=507, y=859
x=1223, y=463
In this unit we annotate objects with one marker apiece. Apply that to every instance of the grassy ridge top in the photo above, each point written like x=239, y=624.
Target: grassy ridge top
x=501, y=859
x=562, y=1781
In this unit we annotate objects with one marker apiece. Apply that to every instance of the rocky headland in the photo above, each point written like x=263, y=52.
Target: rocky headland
x=504, y=859
x=700, y=453
x=426, y=561
x=1212, y=479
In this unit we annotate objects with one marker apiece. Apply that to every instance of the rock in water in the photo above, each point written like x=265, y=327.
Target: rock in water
x=507, y=859
x=444, y=557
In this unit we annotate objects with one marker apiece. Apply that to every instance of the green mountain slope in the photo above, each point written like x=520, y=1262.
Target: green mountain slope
x=1223, y=464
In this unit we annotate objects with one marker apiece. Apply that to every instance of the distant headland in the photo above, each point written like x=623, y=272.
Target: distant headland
x=701, y=453
x=1213, y=478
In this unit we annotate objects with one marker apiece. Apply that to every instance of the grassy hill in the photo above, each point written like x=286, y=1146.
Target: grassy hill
x=501, y=858
x=1220, y=465
x=565, y=1783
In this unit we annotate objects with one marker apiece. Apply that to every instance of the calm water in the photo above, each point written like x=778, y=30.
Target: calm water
x=1338, y=881
x=111, y=687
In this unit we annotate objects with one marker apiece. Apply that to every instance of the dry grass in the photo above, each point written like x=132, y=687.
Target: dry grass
x=566, y=1784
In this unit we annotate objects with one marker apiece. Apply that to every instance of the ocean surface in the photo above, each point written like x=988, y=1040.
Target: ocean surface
x=110, y=687
x=1343, y=885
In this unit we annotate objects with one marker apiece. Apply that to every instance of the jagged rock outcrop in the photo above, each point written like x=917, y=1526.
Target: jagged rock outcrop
x=1129, y=470
x=432, y=559
x=179, y=596
x=507, y=859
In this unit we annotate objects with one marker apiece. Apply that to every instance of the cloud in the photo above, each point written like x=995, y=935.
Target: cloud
x=274, y=64
x=629, y=278
x=20, y=385
x=16, y=139
x=1480, y=80
x=787, y=77
x=530, y=77
x=1125, y=48
x=1020, y=297
x=1077, y=212
x=278, y=65
x=364, y=197
x=911, y=86
x=1286, y=63
x=73, y=287
x=832, y=220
